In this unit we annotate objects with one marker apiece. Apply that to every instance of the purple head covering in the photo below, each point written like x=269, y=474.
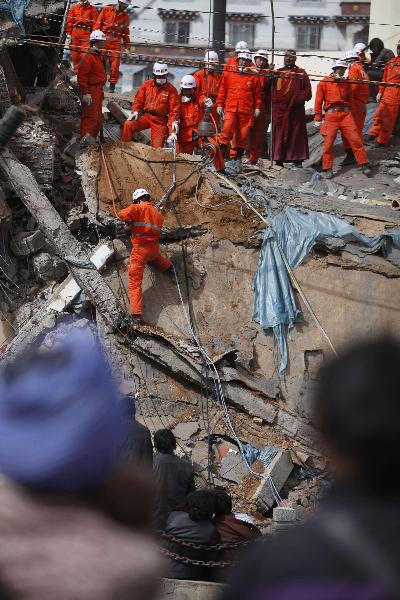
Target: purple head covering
x=61, y=418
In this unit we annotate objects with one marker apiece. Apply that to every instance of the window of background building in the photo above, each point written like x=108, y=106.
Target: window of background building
x=177, y=32
x=241, y=31
x=308, y=37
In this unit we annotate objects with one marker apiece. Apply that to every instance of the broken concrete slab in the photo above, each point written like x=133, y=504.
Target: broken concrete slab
x=279, y=470
x=233, y=467
x=49, y=267
x=250, y=402
x=284, y=514
x=25, y=243
x=184, y=431
x=200, y=456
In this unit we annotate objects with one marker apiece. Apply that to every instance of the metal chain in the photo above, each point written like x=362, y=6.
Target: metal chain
x=182, y=542
x=197, y=563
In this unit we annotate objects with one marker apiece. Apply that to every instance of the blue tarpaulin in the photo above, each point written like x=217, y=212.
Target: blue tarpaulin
x=274, y=305
x=16, y=8
x=265, y=455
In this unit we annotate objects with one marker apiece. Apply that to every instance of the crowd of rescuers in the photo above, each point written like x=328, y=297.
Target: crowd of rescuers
x=239, y=98
x=88, y=511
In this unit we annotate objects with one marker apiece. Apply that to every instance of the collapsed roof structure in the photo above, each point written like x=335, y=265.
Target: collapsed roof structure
x=233, y=385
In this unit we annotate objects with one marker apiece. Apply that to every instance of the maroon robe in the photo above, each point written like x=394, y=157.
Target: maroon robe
x=289, y=133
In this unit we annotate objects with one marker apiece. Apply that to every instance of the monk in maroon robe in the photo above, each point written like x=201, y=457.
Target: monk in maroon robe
x=290, y=91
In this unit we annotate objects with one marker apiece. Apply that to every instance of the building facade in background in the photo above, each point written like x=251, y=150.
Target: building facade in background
x=180, y=30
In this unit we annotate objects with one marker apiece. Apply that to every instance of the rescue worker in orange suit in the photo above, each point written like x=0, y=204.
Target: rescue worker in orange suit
x=79, y=25
x=360, y=94
x=231, y=63
x=155, y=105
x=258, y=136
x=239, y=103
x=334, y=96
x=114, y=22
x=92, y=77
x=207, y=83
x=385, y=117
x=146, y=223
x=190, y=116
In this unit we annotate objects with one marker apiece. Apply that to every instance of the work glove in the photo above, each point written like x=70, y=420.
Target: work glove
x=257, y=113
x=87, y=99
x=208, y=103
x=379, y=97
x=220, y=111
x=317, y=124
x=172, y=138
x=68, y=39
x=175, y=127
x=134, y=116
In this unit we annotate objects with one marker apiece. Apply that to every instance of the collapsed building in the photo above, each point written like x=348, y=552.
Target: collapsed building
x=234, y=386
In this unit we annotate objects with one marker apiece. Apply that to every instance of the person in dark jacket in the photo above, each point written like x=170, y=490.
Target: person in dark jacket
x=173, y=476
x=350, y=548
x=194, y=524
x=230, y=528
x=137, y=447
x=379, y=57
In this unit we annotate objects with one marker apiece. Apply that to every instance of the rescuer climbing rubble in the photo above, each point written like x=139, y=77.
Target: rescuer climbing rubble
x=146, y=222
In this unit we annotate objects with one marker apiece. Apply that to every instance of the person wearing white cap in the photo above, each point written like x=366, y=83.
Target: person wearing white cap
x=360, y=50
x=385, y=117
x=114, y=21
x=207, y=83
x=360, y=94
x=258, y=137
x=92, y=77
x=334, y=96
x=231, y=63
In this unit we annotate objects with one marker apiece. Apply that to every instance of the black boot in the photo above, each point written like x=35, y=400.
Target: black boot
x=349, y=158
x=366, y=170
x=111, y=88
x=223, y=148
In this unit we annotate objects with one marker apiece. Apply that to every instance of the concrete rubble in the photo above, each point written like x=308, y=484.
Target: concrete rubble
x=57, y=217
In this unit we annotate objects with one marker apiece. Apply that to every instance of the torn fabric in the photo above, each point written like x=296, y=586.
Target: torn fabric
x=274, y=305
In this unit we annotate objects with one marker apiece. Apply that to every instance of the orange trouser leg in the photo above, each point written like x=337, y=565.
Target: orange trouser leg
x=228, y=128
x=131, y=127
x=329, y=131
x=79, y=44
x=114, y=59
x=186, y=147
x=350, y=132
x=359, y=114
x=159, y=130
x=92, y=117
x=219, y=162
x=239, y=124
x=388, y=122
x=377, y=121
x=245, y=123
x=140, y=256
x=258, y=135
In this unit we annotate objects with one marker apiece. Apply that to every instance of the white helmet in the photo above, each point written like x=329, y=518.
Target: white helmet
x=261, y=54
x=139, y=193
x=339, y=64
x=160, y=69
x=246, y=55
x=127, y=2
x=211, y=57
x=242, y=47
x=350, y=55
x=358, y=48
x=97, y=36
x=188, y=81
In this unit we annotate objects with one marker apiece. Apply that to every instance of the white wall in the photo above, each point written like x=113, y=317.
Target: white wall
x=385, y=11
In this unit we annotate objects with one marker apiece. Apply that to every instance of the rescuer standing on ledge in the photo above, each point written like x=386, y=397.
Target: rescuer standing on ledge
x=80, y=22
x=92, y=77
x=146, y=223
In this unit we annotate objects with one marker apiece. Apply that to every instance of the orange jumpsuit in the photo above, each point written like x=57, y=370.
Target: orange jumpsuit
x=360, y=98
x=386, y=114
x=92, y=77
x=231, y=64
x=207, y=86
x=190, y=116
x=154, y=103
x=240, y=93
x=147, y=223
x=80, y=21
x=259, y=131
x=115, y=25
x=336, y=97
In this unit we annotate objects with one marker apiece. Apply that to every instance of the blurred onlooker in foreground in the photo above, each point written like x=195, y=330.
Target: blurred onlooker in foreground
x=350, y=549
x=173, y=476
x=193, y=524
x=68, y=510
x=232, y=528
x=137, y=447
